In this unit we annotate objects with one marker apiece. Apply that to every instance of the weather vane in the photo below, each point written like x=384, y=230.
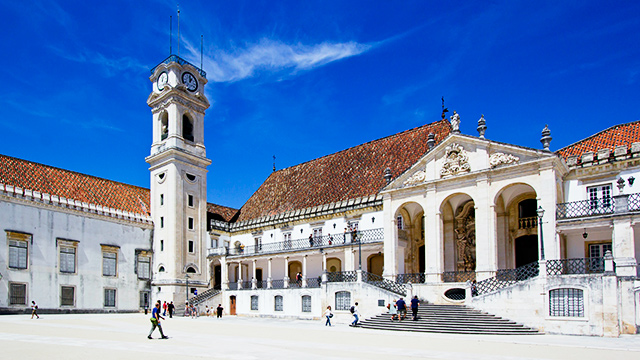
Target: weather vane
x=444, y=110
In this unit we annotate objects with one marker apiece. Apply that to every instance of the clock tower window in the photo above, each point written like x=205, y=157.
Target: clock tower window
x=164, y=126
x=187, y=128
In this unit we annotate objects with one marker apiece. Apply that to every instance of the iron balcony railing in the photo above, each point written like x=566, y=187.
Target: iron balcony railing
x=314, y=282
x=458, y=276
x=181, y=61
x=416, y=278
x=504, y=278
x=593, y=265
x=379, y=281
x=349, y=238
x=277, y=284
x=585, y=208
x=342, y=276
x=233, y=285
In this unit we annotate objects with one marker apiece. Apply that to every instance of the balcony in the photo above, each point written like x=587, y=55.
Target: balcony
x=314, y=243
x=619, y=204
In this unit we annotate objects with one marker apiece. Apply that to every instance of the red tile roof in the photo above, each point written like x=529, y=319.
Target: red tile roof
x=86, y=188
x=623, y=134
x=219, y=212
x=348, y=174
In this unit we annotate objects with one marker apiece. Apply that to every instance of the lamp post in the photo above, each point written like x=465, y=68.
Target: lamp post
x=359, y=251
x=187, y=278
x=540, y=212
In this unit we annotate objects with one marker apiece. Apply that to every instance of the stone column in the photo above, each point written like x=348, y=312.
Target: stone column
x=269, y=278
x=348, y=259
x=486, y=246
x=434, y=241
x=624, y=247
x=224, y=273
x=390, y=240
x=239, y=275
x=547, y=200
x=304, y=271
x=286, y=272
x=254, y=281
x=324, y=267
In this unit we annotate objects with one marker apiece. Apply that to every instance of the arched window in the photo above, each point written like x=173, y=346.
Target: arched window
x=191, y=270
x=566, y=302
x=278, y=303
x=343, y=300
x=306, y=303
x=161, y=269
x=187, y=128
x=254, y=302
x=164, y=126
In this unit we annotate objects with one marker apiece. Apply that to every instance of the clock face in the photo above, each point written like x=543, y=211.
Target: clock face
x=162, y=80
x=190, y=81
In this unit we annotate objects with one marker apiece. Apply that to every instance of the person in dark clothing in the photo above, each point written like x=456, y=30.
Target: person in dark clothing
x=402, y=309
x=171, y=308
x=414, y=307
x=219, y=311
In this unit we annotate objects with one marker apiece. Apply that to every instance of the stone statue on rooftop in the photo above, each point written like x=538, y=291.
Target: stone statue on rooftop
x=455, y=122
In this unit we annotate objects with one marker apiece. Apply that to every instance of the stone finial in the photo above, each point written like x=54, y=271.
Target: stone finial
x=387, y=175
x=482, y=126
x=546, y=137
x=455, y=122
x=431, y=140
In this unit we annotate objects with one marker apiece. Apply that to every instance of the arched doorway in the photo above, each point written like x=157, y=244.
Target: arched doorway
x=334, y=265
x=526, y=250
x=295, y=267
x=409, y=222
x=375, y=264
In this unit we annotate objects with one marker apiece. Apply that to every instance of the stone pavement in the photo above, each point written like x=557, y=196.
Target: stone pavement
x=124, y=336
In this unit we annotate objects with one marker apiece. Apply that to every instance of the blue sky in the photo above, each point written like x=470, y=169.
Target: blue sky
x=303, y=79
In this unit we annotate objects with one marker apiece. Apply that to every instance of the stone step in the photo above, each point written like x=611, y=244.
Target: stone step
x=452, y=319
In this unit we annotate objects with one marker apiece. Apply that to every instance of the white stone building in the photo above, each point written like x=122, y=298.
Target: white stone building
x=547, y=239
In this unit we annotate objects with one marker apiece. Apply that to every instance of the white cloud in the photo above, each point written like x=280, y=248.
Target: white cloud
x=274, y=56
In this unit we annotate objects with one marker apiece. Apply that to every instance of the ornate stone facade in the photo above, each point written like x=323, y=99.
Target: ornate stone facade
x=417, y=178
x=456, y=161
x=502, y=159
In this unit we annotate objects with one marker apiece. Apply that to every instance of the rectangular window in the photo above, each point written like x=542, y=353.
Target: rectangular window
x=144, y=267
x=144, y=299
x=191, y=246
x=161, y=245
x=67, y=259
x=109, y=297
x=67, y=296
x=287, y=240
x=161, y=222
x=190, y=223
x=317, y=233
x=109, y=263
x=278, y=303
x=190, y=200
x=17, y=294
x=566, y=302
x=400, y=222
x=254, y=302
x=306, y=303
x=600, y=199
x=214, y=243
x=343, y=300
x=161, y=199
x=18, y=251
x=258, y=243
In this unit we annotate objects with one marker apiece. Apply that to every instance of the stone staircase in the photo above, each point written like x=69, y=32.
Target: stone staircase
x=449, y=319
x=204, y=296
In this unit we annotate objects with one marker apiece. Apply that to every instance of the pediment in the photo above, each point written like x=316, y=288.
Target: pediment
x=458, y=155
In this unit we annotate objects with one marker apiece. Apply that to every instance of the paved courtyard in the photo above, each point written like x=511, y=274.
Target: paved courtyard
x=124, y=337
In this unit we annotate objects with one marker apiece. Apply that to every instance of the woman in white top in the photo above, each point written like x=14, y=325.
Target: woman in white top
x=393, y=310
x=328, y=314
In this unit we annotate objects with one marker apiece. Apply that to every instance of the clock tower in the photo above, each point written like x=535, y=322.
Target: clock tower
x=178, y=166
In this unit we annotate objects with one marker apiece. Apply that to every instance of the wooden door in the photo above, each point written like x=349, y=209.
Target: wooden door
x=232, y=305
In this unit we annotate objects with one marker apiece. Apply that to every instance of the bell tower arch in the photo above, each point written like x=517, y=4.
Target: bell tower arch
x=178, y=167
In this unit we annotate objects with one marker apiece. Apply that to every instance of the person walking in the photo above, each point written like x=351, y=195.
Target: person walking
x=164, y=309
x=219, y=311
x=356, y=314
x=393, y=309
x=155, y=322
x=402, y=309
x=328, y=314
x=414, y=307
x=34, y=310
x=171, y=308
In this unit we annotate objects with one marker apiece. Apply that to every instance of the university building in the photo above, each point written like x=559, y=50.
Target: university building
x=547, y=239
